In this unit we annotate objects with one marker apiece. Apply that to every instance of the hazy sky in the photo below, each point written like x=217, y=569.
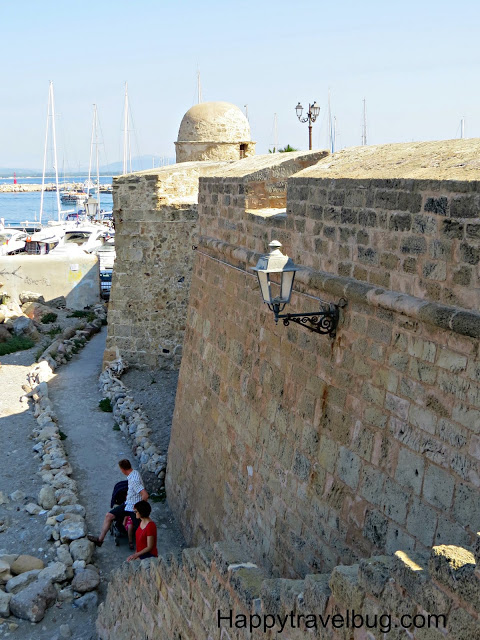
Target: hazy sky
x=416, y=63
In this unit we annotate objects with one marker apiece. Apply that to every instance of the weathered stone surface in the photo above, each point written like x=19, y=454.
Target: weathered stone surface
x=85, y=580
x=55, y=572
x=26, y=563
x=32, y=602
x=16, y=584
x=46, y=497
x=5, y=604
x=82, y=549
x=33, y=509
x=72, y=530
x=87, y=602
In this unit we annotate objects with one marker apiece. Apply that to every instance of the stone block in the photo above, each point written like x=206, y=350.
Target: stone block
x=348, y=467
x=345, y=586
x=394, y=501
x=466, y=506
x=375, y=528
x=438, y=487
x=316, y=592
x=374, y=573
x=410, y=469
x=422, y=522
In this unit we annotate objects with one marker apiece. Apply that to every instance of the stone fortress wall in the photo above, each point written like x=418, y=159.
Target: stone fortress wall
x=156, y=215
x=329, y=452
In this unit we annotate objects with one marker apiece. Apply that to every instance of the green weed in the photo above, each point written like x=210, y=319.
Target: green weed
x=17, y=343
x=49, y=317
x=105, y=405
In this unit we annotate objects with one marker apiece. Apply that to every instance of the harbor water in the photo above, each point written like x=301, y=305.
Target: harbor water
x=25, y=206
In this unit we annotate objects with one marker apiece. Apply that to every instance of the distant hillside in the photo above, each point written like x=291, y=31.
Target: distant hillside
x=139, y=163
x=7, y=172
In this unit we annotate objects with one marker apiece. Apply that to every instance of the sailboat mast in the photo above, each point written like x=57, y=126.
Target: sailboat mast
x=364, y=129
x=125, y=133
x=462, y=128
x=45, y=151
x=95, y=117
x=91, y=152
x=199, y=87
x=55, y=155
x=275, y=134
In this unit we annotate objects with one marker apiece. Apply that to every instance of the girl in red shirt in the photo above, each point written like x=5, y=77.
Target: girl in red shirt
x=146, y=534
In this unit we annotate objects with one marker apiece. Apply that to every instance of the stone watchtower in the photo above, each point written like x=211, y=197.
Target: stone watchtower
x=215, y=131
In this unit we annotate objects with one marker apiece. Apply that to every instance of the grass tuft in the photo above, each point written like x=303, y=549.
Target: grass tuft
x=17, y=343
x=105, y=405
x=49, y=317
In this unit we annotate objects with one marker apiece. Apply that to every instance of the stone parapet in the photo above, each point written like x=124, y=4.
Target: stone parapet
x=220, y=593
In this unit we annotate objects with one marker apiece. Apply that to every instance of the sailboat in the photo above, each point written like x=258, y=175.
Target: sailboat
x=49, y=236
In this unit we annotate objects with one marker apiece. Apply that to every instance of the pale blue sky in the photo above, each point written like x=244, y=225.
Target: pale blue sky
x=416, y=63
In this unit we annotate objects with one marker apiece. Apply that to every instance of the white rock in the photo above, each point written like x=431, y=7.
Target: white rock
x=16, y=584
x=5, y=604
x=3, y=498
x=32, y=602
x=17, y=496
x=87, y=602
x=66, y=594
x=82, y=549
x=71, y=530
x=79, y=564
x=33, y=509
x=56, y=572
x=46, y=497
x=85, y=580
x=63, y=554
x=47, y=433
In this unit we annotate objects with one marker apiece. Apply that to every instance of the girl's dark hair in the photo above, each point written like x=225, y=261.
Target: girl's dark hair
x=143, y=508
x=125, y=464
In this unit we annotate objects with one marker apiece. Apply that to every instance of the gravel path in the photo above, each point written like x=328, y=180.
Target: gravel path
x=93, y=448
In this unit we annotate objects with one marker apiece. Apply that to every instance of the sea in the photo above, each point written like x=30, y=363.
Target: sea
x=25, y=207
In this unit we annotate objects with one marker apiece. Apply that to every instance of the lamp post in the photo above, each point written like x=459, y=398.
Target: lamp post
x=312, y=115
x=324, y=321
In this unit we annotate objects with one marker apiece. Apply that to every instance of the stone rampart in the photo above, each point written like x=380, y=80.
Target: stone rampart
x=155, y=223
x=220, y=594
x=327, y=451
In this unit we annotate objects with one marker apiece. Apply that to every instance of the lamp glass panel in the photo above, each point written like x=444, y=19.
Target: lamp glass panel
x=264, y=282
x=287, y=285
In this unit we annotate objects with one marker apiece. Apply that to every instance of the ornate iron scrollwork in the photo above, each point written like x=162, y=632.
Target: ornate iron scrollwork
x=323, y=322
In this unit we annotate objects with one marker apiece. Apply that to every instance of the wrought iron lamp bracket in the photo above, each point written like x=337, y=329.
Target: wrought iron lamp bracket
x=324, y=321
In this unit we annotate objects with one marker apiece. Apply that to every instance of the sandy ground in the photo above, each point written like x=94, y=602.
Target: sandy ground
x=94, y=448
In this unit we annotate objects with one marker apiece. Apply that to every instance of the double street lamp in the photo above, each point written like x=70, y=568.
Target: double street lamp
x=312, y=115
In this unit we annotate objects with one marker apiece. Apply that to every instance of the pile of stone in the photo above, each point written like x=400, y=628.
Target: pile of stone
x=133, y=423
x=14, y=322
x=72, y=575
x=28, y=588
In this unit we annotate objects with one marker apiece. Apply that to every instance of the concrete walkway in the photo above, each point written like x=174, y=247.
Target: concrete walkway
x=94, y=448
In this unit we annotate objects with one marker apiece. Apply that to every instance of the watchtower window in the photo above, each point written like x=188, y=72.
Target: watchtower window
x=243, y=151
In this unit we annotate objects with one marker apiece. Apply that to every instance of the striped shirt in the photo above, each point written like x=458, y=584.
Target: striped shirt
x=135, y=486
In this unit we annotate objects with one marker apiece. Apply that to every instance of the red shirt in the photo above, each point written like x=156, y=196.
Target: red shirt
x=141, y=536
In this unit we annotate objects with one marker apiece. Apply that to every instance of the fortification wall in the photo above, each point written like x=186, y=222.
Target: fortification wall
x=75, y=277
x=325, y=451
x=217, y=593
x=155, y=216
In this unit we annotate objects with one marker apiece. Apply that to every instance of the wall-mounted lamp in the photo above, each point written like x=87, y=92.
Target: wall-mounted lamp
x=324, y=321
